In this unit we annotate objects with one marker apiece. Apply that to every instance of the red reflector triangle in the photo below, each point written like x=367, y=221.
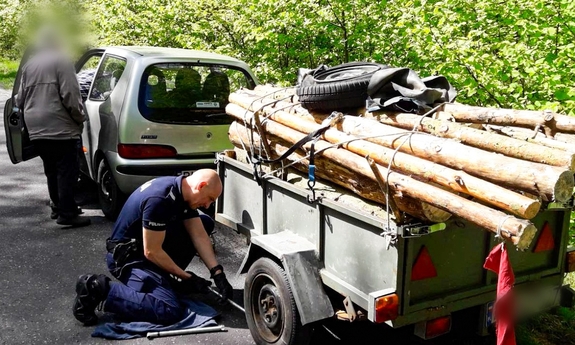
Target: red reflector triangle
x=546, y=240
x=423, y=267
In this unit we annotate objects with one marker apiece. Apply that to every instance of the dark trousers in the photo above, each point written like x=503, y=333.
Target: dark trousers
x=61, y=167
x=146, y=293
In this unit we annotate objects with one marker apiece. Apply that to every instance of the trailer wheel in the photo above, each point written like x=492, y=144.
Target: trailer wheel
x=271, y=312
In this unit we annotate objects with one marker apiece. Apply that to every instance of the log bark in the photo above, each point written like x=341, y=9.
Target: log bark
x=550, y=121
x=457, y=181
x=529, y=136
x=478, y=138
x=259, y=99
x=520, y=232
x=549, y=182
x=330, y=171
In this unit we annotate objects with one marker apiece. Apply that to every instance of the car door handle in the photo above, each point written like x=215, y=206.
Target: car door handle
x=14, y=119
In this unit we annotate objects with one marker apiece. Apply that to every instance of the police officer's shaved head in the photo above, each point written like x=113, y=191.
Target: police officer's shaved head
x=201, y=188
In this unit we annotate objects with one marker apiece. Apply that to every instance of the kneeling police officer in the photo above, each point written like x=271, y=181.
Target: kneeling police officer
x=155, y=237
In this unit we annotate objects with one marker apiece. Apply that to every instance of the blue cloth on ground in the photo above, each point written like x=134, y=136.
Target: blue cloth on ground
x=197, y=314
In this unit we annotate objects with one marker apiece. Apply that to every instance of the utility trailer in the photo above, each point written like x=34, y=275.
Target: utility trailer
x=414, y=274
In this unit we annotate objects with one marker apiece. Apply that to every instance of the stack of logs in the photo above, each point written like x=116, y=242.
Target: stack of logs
x=492, y=167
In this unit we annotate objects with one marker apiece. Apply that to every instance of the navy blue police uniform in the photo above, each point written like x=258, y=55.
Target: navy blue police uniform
x=146, y=293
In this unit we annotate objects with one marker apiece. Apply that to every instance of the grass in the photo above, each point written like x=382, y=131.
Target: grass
x=556, y=327
x=8, y=70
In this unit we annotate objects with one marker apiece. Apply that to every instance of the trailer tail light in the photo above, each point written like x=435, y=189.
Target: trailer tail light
x=546, y=241
x=386, y=308
x=423, y=267
x=570, y=260
x=138, y=151
x=433, y=328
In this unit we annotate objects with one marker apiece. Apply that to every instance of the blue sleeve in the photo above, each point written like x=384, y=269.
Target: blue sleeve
x=156, y=213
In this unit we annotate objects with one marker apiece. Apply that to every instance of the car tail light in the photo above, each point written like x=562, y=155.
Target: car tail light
x=546, y=241
x=423, y=267
x=570, y=260
x=433, y=328
x=135, y=151
x=386, y=308
x=84, y=149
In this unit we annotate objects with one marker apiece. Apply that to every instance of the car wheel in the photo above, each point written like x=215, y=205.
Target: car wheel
x=271, y=312
x=110, y=197
x=337, y=88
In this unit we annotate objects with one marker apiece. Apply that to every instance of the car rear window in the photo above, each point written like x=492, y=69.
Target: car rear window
x=189, y=93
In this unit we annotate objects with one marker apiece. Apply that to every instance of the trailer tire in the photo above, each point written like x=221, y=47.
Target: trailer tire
x=271, y=312
x=339, y=87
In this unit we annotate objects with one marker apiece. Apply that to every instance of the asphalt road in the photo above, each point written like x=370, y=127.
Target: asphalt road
x=40, y=262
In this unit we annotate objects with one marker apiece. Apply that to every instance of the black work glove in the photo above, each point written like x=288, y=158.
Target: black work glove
x=192, y=285
x=226, y=289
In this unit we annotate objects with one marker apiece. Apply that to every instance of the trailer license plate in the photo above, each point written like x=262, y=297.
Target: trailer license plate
x=489, y=318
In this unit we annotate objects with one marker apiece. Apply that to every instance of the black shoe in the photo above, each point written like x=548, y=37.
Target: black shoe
x=91, y=289
x=55, y=214
x=75, y=222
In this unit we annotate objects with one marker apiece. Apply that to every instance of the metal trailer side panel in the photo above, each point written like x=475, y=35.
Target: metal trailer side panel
x=354, y=259
x=241, y=204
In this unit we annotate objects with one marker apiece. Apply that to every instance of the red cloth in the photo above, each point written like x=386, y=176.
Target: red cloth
x=503, y=310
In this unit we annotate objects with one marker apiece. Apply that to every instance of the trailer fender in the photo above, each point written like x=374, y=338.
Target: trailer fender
x=298, y=258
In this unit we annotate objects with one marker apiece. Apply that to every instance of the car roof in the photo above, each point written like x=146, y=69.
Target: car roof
x=174, y=52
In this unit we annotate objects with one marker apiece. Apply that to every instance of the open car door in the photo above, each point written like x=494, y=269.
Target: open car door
x=19, y=146
x=86, y=68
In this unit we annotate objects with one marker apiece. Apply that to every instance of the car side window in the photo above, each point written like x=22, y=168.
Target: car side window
x=86, y=75
x=111, y=69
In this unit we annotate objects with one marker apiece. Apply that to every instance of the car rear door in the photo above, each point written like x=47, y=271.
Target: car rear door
x=18, y=144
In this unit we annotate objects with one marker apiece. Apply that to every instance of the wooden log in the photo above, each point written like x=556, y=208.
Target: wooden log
x=478, y=138
x=566, y=138
x=330, y=171
x=520, y=232
x=457, y=181
x=550, y=121
x=549, y=182
x=291, y=105
x=276, y=92
x=529, y=136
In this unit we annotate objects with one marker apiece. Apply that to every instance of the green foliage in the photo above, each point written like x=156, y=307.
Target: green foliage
x=504, y=54
x=8, y=70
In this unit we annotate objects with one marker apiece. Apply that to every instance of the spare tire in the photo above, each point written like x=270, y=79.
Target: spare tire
x=337, y=88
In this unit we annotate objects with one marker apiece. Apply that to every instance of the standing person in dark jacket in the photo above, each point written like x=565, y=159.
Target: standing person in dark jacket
x=49, y=98
x=155, y=238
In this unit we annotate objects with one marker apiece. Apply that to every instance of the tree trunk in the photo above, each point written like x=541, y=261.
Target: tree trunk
x=519, y=231
x=457, y=181
x=481, y=139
